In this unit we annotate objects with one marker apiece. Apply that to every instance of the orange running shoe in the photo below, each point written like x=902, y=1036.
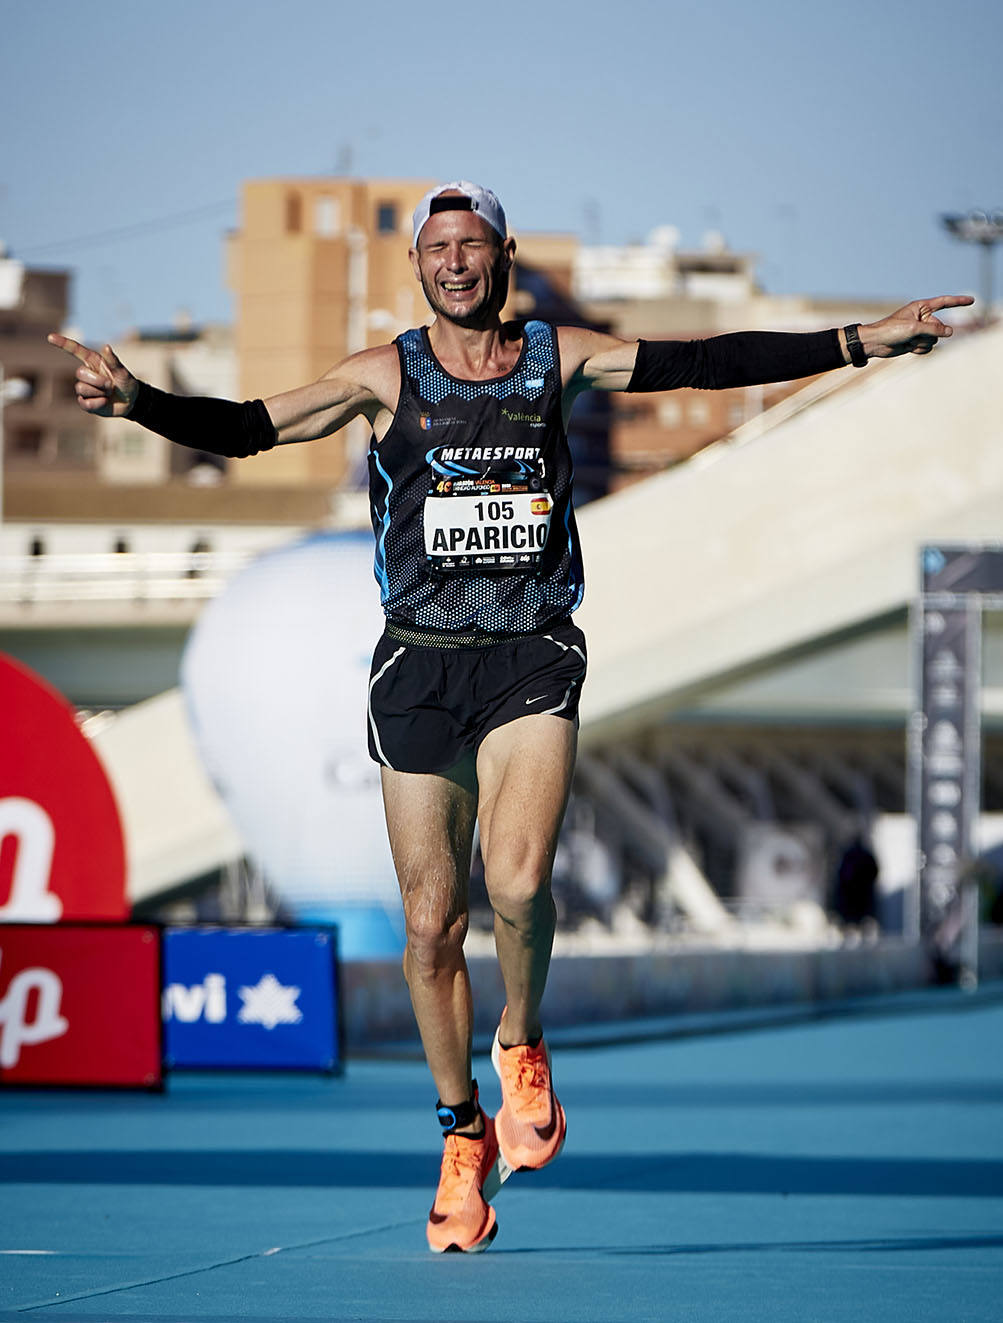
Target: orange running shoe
x=461, y=1218
x=531, y=1125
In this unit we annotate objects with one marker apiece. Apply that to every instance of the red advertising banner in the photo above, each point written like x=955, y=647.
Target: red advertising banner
x=80, y=1004
x=62, y=854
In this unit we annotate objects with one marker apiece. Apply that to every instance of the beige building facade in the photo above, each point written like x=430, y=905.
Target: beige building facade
x=319, y=270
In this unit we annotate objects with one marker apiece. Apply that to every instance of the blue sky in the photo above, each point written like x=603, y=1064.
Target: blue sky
x=826, y=138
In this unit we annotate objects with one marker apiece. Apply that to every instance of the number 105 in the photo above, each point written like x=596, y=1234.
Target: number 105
x=495, y=510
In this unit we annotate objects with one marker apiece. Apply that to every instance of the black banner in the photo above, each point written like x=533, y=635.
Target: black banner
x=963, y=570
x=949, y=771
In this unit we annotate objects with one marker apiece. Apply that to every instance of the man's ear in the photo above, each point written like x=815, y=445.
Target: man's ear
x=508, y=248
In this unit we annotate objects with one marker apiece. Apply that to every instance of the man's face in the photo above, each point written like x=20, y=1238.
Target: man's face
x=463, y=266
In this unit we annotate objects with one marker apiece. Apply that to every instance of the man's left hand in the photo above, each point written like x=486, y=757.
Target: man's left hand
x=914, y=329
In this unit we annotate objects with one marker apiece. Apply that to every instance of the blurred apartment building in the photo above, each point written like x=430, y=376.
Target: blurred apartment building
x=44, y=430
x=658, y=290
x=318, y=269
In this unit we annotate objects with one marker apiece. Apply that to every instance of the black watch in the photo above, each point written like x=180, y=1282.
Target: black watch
x=858, y=355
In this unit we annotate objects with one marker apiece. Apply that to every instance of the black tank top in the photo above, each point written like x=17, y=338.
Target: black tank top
x=470, y=492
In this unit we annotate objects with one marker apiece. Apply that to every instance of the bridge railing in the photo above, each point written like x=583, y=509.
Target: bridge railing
x=153, y=576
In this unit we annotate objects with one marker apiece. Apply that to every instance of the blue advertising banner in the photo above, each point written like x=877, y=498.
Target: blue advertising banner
x=250, y=998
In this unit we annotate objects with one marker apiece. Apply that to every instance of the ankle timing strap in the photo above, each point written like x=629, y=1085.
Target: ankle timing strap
x=462, y=1114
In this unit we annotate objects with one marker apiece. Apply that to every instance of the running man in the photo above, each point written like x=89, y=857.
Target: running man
x=475, y=682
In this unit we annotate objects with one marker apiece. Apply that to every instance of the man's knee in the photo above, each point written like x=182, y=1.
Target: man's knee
x=518, y=882
x=434, y=937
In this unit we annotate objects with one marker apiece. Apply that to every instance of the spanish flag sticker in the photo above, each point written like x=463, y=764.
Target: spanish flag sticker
x=540, y=505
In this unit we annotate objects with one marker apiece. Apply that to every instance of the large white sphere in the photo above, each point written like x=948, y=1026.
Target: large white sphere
x=276, y=678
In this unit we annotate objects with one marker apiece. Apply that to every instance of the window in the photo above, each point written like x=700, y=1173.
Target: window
x=699, y=413
x=36, y=547
x=20, y=386
x=670, y=413
x=294, y=213
x=121, y=546
x=75, y=447
x=327, y=218
x=25, y=440
x=386, y=218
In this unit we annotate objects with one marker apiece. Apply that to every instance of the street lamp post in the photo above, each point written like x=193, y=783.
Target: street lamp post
x=986, y=229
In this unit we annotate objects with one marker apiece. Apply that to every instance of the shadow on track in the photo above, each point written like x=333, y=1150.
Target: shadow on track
x=731, y=1173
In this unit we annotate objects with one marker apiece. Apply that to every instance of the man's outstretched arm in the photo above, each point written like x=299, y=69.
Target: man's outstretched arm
x=366, y=383
x=746, y=358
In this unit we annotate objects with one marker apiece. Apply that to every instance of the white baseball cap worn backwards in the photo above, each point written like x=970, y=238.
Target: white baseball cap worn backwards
x=471, y=198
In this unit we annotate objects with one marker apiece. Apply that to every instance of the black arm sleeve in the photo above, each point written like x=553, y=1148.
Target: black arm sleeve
x=744, y=358
x=221, y=427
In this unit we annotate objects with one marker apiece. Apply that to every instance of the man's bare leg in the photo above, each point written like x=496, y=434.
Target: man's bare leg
x=524, y=770
x=430, y=821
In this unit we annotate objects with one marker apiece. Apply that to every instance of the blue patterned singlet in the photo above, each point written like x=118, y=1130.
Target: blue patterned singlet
x=470, y=492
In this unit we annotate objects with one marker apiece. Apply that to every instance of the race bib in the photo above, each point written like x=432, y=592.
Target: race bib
x=483, y=525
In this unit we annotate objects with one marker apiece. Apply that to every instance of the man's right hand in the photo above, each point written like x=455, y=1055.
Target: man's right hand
x=104, y=385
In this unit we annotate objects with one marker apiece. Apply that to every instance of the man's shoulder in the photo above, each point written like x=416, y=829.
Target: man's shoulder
x=365, y=363
x=386, y=353
x=577, y=344
x=373, y=372
x=592, y=358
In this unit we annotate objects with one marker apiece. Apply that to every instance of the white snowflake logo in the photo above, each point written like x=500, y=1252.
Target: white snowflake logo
x=269, y=1003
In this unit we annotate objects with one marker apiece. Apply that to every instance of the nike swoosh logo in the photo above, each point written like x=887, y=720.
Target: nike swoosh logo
x=546, y=1132
x=535, y=700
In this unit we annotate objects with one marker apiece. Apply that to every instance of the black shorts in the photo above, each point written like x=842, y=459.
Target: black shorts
x=429, y=704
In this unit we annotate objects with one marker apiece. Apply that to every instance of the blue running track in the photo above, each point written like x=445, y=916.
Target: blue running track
x=841, y=1169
